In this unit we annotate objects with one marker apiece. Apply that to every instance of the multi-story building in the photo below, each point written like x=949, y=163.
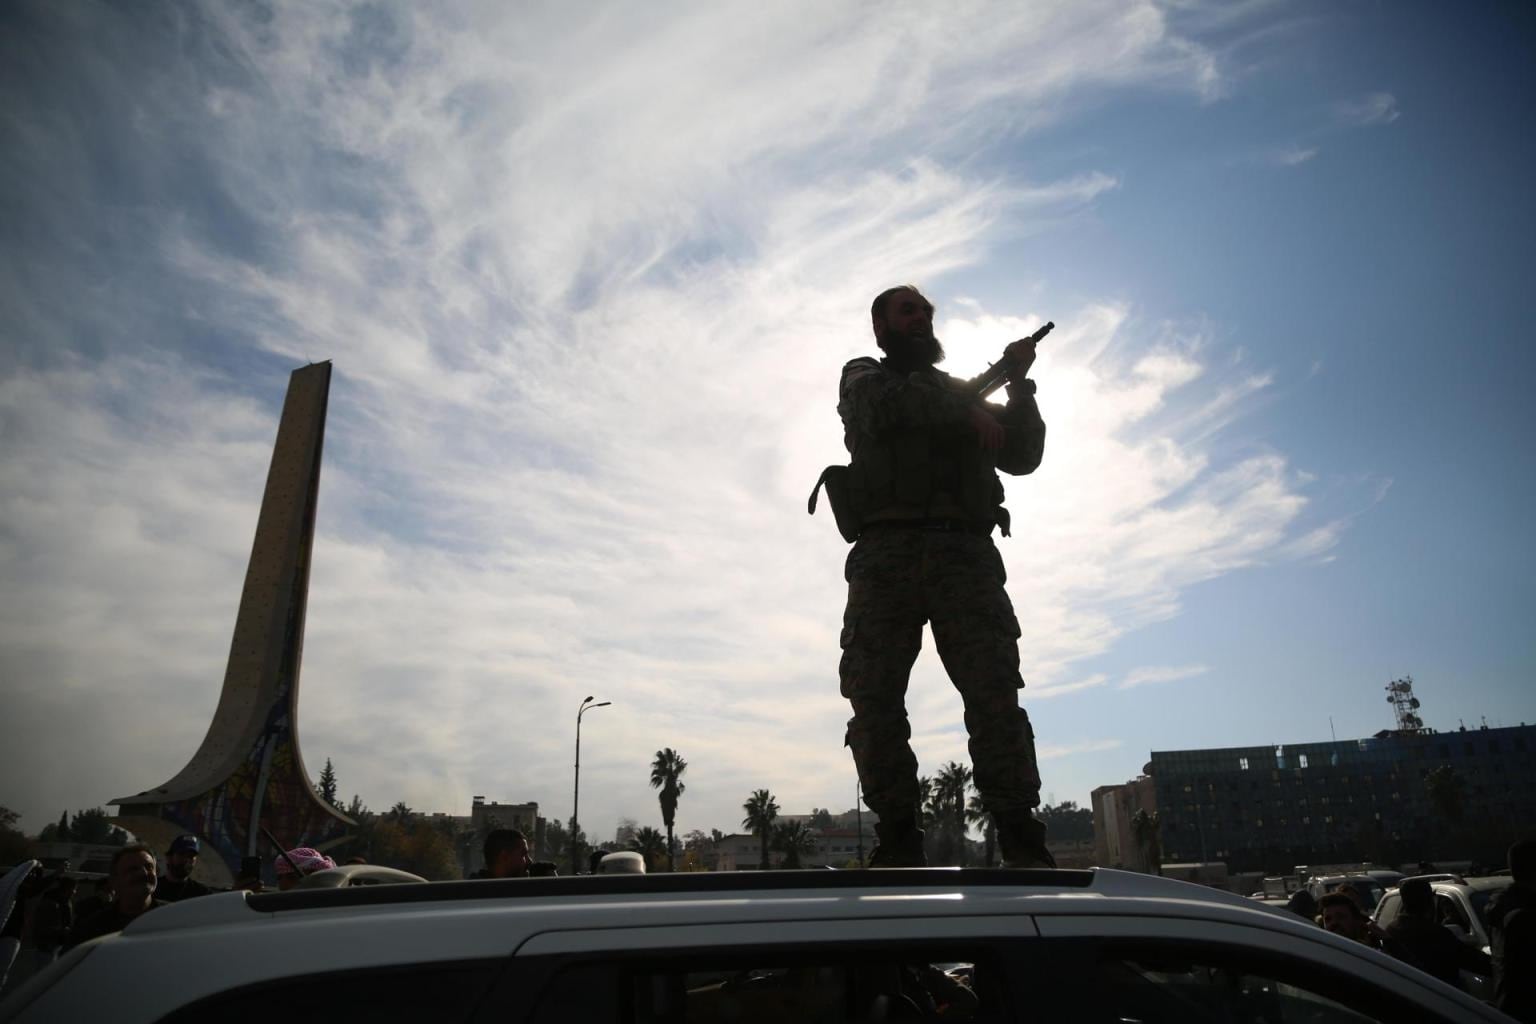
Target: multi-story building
x=1114, y=836
x=1385, y=799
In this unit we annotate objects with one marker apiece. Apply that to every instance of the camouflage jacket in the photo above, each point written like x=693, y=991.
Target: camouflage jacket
x=914, y=452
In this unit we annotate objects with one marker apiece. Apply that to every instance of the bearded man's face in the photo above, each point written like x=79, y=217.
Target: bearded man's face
x=905, y=331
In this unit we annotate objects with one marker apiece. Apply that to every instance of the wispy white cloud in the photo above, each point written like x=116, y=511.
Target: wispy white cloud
x=1372, y=108
x=586, y=338
x=1161, y=674
x=1053, y=751
x=1291, y=156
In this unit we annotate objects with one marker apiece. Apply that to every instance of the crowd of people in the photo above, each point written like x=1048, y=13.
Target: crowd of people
x=1416, y=936
x=51, y=915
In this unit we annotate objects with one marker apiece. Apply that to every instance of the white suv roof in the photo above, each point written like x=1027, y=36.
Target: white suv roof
x=1068, y=945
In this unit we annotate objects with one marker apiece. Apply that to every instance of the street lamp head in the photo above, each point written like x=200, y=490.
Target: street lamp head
x=588, y=700
x=603, y=704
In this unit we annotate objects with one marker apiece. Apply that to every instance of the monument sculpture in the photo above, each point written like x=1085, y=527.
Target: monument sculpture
x=248, y=773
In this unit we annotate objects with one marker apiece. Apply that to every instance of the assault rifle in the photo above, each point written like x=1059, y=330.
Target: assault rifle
x=997, y=374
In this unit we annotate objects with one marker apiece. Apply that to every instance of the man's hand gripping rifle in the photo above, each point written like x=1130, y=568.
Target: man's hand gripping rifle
x=1000, y=372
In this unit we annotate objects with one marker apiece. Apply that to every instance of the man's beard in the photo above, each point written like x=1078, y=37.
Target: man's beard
x=909, y=352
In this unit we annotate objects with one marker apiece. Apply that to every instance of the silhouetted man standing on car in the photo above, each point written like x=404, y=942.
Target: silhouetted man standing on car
x=926, y=497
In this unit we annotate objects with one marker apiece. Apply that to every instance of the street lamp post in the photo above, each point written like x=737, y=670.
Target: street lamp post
x=586, y=706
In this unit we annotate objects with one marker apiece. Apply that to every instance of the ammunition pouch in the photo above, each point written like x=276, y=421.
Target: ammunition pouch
x=835, y=480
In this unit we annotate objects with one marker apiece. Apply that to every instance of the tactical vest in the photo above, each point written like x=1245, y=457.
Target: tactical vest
x=910, y=468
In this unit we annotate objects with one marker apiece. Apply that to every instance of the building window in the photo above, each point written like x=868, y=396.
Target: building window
x=1301, y=761
x=1242, y=763
x=1306, y=821
x=1328, y=819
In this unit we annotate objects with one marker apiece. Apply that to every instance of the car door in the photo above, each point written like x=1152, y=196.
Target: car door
x=1156, y=970
x=813, y=971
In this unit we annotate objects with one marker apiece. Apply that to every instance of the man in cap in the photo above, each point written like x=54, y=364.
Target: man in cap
x=924, y=490
x=177, y=883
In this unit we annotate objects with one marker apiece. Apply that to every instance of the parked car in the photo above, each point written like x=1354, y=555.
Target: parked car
x=1370, y=888
x=1461, y=905
x=1093, y=945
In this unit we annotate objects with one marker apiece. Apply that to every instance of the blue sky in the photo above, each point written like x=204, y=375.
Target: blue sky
x=587, y=283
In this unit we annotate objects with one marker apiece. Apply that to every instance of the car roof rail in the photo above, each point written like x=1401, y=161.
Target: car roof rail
x=1438, y=876
x=681, y=883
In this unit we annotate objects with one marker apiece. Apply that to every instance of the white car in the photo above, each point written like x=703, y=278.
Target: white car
x=813, y=946
x=1461, y=905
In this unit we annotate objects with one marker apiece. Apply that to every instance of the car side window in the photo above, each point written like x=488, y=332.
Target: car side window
x=1450, y=911
x=1164, y=983
x=826, y=986
x=1387, y=909
x=436, y=992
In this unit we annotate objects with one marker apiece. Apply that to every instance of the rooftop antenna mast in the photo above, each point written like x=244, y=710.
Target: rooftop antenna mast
x=1405, y=705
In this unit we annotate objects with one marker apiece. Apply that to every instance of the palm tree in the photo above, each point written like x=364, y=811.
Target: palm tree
x=666, y=775
x=792, y=839
x=761, y=809
x=950, y=788
x=978, y=815
x=400, y=814
x=1445, y=790
x=1144, y=828
x=649, y=844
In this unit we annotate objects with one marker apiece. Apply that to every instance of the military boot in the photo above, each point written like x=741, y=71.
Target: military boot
x=1023, y=844
x=900, y=845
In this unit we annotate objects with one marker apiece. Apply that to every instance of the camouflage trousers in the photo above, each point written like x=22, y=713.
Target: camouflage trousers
x=898, y=579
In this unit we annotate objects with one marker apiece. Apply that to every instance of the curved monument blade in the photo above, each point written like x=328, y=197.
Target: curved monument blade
x=248, y=771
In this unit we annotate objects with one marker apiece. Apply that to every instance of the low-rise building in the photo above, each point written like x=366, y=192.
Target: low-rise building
x=1114, y=837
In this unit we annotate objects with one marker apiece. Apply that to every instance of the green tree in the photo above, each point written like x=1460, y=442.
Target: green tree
x=1066, y=820
x=94, y=826
x=977, y=814
x=1446, y=791
x=792, y=839
x=761, y=809
x=400, y=814
x=821, y=818
x=666, y=775
x=328, y=784
x=416, y=846
x=13, y=841
x=925, y=799
x=56, y=833
x=651, y=845
x=1144, y=829
x=950, y=788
